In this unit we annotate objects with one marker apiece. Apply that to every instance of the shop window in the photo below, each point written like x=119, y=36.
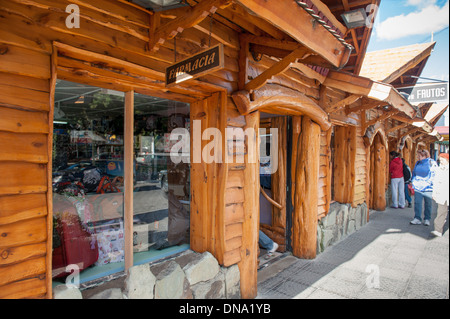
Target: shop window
x=161, y=197
x=88, y=181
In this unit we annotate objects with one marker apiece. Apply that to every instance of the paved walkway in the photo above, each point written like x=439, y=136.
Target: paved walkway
x=387, y=258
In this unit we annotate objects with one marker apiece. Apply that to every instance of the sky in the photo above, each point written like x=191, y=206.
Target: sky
x=405, y=22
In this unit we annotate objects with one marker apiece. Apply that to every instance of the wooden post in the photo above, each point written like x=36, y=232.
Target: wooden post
x=208, y=180
x=296, y=130
x=128, y=178
x=378, y=164
x=248, y=266
x=305, y=214
x=54, y=64
x=279, y=177
x=328, y=170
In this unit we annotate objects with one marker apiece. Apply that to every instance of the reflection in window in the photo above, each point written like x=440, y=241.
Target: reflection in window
x=88, y=181
x=161, y=189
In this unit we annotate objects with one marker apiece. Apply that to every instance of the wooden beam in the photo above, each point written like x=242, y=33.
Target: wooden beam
x=243, y=62
x=190, y=18
x=410, y=132
x=366, y=104
x=296, y=22
x=276, y=69
x=273, y=97
x=325, y=10
x=396, y=128
x=128, y=178
x=343, y=103
x=310, y=73
x=383, y=117
x=271, y=42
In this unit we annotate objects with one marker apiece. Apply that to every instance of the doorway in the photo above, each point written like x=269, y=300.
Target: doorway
x=274, y=193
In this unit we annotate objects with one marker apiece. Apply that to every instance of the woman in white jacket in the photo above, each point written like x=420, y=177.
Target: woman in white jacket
x=440, y=194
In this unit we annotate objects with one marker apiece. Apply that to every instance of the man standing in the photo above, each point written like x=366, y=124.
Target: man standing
x=397, y=182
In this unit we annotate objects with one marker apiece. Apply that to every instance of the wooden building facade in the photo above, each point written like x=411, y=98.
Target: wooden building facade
x=289, y=65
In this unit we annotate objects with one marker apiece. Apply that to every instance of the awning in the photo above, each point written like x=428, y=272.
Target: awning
x=377, y=91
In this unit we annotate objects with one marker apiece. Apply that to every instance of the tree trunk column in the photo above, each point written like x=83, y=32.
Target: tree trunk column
x=304, y=217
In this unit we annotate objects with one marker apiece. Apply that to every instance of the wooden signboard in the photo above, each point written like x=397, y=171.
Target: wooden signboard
x=200, y=64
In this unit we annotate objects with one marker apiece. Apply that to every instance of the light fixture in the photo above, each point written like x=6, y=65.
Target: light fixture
x=160, y=5
x=355, y=18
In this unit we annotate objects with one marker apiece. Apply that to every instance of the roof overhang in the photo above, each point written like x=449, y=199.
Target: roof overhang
x=374, y=90
x=298, y=23
x=421, y=124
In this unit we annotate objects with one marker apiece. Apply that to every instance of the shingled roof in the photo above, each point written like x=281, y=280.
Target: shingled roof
x=394, y=65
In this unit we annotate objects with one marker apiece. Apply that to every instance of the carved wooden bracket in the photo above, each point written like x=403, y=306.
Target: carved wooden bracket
x=277, y=99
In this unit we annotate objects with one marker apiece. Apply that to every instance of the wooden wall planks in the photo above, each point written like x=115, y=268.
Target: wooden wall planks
x=119, y=30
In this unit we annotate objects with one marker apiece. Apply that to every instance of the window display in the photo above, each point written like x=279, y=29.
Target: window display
x=88, y=181
x=161, y=194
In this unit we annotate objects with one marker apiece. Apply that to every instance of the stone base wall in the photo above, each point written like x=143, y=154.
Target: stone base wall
x=341, y=221
x=189, y=275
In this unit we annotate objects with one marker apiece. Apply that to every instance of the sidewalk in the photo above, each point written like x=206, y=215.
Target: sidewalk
x=387, y=258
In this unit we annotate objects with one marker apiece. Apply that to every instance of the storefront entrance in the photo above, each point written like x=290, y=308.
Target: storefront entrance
x=275, y=203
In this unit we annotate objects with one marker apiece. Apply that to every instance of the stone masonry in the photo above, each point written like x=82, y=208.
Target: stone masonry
x=341, y=221
x=189, y=275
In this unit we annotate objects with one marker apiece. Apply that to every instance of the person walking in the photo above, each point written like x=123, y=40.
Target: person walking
x=407, y=178
x=440, y=194
x=397, y=182
x=422, y=181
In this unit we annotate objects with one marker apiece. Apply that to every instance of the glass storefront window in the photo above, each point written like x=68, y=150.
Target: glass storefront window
x=88, y=181
x=161, y=195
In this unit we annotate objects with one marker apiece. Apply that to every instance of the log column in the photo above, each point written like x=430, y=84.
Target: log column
x=304, y=217
x=248, y=266
x=378, y=163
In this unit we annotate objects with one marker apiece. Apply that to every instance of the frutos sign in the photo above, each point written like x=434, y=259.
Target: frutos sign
x=426, y=93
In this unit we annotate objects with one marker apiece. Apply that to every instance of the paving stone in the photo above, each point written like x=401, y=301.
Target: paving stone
x=342, y=288
x=426, y=288
x=323, y=294
x=411, y=264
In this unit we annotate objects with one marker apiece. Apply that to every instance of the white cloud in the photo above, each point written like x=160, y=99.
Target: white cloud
x=420, y=3
x=430, y=18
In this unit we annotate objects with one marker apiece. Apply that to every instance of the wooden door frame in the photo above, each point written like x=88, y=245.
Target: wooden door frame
x=279, y=193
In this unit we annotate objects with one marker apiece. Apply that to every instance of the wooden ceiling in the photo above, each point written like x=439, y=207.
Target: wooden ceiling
x=241, y=20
